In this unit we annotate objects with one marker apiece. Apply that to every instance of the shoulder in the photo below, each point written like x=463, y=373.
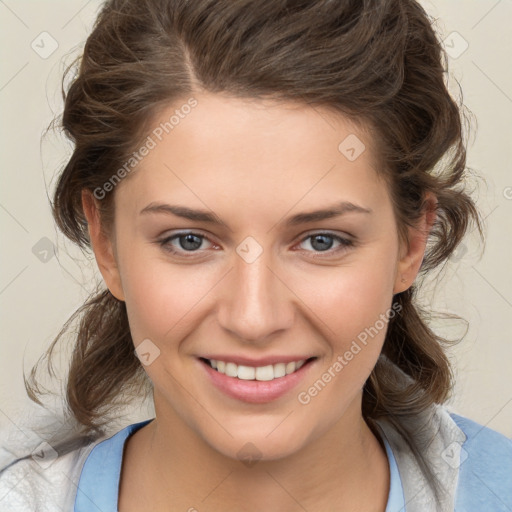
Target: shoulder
x=41, y=481
x=40, y=471
x=469, y=465
x=482, y=440
x=100, y=476
x=485, y=468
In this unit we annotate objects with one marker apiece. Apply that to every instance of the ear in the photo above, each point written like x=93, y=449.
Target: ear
x=412, y=254
x=102, y=246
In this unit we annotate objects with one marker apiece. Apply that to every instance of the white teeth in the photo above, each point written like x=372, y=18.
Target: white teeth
x=231, y=370
x=279, y=370
x=263, y=373
x=246, y=372
x=290, y=368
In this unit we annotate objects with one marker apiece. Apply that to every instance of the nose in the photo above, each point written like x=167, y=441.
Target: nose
x=257, y=302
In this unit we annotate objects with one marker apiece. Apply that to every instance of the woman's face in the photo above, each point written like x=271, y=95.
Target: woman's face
x=220, y=255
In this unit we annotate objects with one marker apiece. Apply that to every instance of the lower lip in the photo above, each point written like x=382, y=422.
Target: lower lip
x=256, y=391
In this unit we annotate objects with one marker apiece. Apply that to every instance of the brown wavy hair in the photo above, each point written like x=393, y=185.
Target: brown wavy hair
x=377, y=62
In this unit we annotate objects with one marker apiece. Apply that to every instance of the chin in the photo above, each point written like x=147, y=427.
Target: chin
x=258, y=445
x=249, y=452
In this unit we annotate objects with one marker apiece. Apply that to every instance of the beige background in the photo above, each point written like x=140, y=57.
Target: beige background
x=37, y=296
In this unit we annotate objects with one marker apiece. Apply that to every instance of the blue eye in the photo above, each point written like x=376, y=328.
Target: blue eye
x=188, y=242
x=323, y=242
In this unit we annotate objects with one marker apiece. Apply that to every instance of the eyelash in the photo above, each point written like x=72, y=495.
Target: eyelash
x=345, y=243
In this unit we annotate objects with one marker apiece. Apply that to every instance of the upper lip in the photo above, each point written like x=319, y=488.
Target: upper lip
x=262, y=361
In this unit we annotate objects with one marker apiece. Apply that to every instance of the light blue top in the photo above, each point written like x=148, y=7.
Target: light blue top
x=485, y=473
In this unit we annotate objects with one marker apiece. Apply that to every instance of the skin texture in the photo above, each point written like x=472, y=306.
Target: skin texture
x=254, y=164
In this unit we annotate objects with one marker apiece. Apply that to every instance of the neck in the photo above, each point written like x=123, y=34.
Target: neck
x=344, y=465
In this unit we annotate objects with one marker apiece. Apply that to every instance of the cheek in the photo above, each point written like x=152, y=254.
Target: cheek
x=355, y=308
x=160, y=297
x=350, y=298
x=354, y=304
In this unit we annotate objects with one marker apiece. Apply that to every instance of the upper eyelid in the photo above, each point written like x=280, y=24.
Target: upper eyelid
x=174, y=236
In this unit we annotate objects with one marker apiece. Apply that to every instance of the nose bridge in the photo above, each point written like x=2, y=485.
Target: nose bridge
x=256, y=303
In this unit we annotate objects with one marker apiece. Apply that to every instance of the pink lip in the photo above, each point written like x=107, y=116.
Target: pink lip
x=254, y=391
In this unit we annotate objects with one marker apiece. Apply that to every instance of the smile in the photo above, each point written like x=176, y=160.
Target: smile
x=256, y=384
x=262, y=373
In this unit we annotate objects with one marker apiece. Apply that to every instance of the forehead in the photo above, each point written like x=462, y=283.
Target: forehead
x=249, y=150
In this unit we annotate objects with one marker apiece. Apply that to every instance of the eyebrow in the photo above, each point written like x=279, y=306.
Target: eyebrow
x=184, y=212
